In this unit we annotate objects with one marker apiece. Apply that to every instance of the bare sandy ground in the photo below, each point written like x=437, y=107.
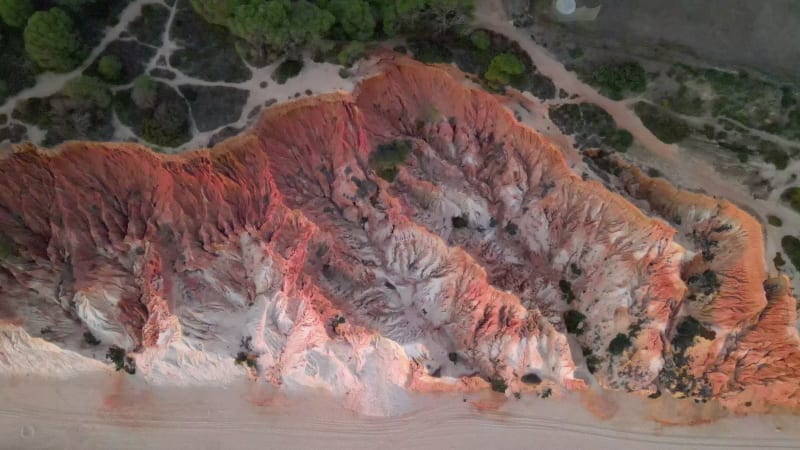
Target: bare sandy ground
x=120, y=412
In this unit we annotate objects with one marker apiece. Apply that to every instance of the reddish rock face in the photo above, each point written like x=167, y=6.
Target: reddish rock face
x=411, y=235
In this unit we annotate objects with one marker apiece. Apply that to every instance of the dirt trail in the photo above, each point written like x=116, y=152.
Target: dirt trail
x=685, y=169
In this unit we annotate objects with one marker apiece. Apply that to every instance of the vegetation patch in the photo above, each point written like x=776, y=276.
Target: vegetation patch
x=82, y=110
x=7, y=247
x=387, y=157
x=705, y=283
x=792, y=197
x=498, y=384
x=502, y=68
x=531, y=378
x=664, y=125
x=791, y=246
x=566, y=290
x=619, y=344
x=574, y=321
x=499, y=61
x=121, y=360
x=591, y=126
x=155, y=111
x=289, y=68
x=460, y=221
x=619, y=80
x=775, y=221
x=89, y=338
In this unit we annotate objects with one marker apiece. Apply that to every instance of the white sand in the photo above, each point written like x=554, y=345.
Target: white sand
x=118, y=411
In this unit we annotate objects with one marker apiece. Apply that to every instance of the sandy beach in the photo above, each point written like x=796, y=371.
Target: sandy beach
x=118, y=411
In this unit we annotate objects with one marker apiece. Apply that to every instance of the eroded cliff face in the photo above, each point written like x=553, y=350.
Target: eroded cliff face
x=410, y=236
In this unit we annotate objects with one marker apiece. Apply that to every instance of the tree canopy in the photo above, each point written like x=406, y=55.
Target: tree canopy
x=282, y=26
x=52, y=42
x=15, y=13
x=502, y=68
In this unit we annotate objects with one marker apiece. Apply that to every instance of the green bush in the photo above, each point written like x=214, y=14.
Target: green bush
x=110, y=68
x=574, y=321
x=289, y=68
x=351, y=53
x=620, y=140
x=791, y=246
x=121, y=360
x=619, y=344
x=52, y=42
x=616, y=80
x=387, y=157
x=167, y=127
x=775, y=221
x=792, y=197
x=480, y=40
x=665, y=126
x=88, y=89
x=502, y=68
x=145, y=92
x=7, y=247
x=354, y=19
x=15, y=13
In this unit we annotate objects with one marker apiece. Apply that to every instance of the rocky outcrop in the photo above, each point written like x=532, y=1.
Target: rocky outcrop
x=410, y=236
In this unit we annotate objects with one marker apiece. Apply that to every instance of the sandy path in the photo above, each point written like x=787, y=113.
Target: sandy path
x=683, y=168
x=119, y=412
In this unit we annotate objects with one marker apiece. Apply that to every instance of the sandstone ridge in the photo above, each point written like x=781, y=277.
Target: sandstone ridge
x=408, y=236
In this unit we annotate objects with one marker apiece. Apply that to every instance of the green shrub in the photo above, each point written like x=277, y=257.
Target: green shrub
x=354, y=19
x=52, y=42
x=351, y=53
x=665, y=126
x=7, y=247
x=619, y=344
x=145, y=92
x=502, y=68
x=387, y=157
x=620, y=140
x=574, y=321
x=498, y=384
x=90, y=90
x=792, y=197
x=167, y=127
x=566, y=289
x=616, y=80
x=15, y=13
x=791, y=246
x=775, y=221
x=289, y=68
x=511, y=228
x=110, y=68
x=121, y=360
x=480, y=40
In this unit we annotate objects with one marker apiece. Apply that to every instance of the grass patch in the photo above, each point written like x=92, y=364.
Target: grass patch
x=668, y=128
x=775, y=221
